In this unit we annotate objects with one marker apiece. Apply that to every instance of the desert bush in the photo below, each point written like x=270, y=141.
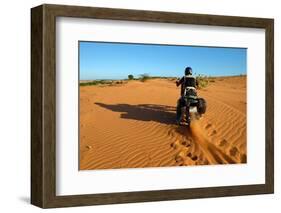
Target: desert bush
x=144, y=77
x=95, y=82
x=202, y=81
x=130, y=77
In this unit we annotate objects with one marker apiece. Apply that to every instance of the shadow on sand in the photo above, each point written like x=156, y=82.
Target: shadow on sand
x=144, y=112
x=150, y=112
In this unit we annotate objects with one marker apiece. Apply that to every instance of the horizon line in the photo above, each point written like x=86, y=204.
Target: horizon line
x=208, y=76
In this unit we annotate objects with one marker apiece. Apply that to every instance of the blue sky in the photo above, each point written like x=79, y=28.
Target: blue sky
x=101, y=60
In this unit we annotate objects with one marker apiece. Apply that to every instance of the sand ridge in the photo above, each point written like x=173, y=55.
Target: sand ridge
x=133, y=126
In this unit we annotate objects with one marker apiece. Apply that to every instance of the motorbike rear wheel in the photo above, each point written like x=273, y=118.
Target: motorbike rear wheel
x=179, y=116
x=201, y=106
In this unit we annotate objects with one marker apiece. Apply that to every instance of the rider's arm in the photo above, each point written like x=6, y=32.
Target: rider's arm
x=179, y=82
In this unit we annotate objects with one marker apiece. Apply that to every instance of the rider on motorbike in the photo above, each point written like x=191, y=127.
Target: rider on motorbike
x=188, y=88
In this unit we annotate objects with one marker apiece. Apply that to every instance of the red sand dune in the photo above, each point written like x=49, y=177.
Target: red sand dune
x=133, y=125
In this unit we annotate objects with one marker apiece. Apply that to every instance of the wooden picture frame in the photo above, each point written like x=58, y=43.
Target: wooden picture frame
x=43, y=105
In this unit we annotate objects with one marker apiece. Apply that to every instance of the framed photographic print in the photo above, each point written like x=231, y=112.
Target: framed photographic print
x=136, y=106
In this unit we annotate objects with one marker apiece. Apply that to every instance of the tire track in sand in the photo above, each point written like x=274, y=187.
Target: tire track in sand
x=196, y=146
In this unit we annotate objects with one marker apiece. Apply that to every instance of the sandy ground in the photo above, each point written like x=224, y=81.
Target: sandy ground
x=133, y=126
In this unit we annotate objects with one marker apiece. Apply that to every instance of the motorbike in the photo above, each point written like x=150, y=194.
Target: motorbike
x=188, y=104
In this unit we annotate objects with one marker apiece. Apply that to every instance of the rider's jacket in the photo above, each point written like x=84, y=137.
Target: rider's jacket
x=187, y=81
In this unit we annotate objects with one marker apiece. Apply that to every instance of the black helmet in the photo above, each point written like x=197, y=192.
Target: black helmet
x=188, y=71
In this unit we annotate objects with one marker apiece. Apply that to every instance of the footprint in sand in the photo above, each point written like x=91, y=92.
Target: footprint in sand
x=243, y=158
x=88, y=147
x=194, y=158
x=170, y=133
x=208, y=126
x=181, y=144
x=186, y=143
x=213, y=132
x=223, y=142
x=233, y=151
x=176, y=144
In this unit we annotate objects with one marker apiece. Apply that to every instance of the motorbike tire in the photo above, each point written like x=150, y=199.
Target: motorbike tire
x=201, y=106
x=178, y=114
x=188, y=119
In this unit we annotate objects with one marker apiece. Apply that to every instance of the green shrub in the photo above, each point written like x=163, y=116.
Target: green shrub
x=130, y=77
x=144, y=77
x=202, y=81
x=95, y=82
